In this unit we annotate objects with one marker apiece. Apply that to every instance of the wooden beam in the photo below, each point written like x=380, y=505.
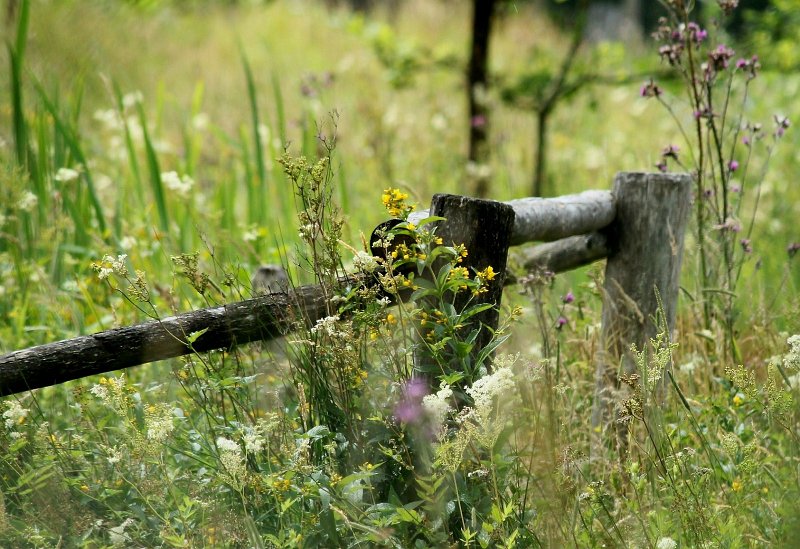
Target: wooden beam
x=262, y=318
x=566, y=254
x=548, y=219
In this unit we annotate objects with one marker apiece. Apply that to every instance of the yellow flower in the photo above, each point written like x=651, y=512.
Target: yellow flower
x=84, y=488
x=391, y=319
x=737, y=400
x=737, y=485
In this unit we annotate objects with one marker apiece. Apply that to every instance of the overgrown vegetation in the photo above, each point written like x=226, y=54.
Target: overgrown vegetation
x=381, y=424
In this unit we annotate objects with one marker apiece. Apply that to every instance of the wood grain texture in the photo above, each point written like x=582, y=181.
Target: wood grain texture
x=226, y=326
x=548, y=219
x=567, y=253
x=644, y=264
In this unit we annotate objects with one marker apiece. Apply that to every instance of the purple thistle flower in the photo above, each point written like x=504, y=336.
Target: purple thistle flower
x=720, y=57
x=662, y=166
x=733, y=165
x=782, y=125
x=746, y=140
x=569, y=298
x=650, y=89
x=560, y=322
x=746, y=247
x=478, y=121
x=735, y=188
x=671, y=151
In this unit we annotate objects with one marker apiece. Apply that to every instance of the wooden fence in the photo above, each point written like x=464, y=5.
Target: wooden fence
x=638, y=226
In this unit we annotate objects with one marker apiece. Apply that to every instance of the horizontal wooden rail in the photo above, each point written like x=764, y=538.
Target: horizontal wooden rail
x=549, y=219
x=262, y=318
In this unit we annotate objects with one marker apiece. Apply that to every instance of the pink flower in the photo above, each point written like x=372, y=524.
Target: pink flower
x=733, y=165
x=569, y=298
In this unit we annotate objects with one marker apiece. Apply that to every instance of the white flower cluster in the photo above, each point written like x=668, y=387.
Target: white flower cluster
x=179, y=185
x=14, y=414
x=666, y=543
x=364, y=262
x=159, y=424
x=27, y=201
x=486, y=389
x=65, y=175
x=230, y=455
x=792, y=359
x=327, y=326
x=437, y=406
x=111, y=265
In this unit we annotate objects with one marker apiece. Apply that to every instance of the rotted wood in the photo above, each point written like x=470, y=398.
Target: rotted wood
x=643, y=266
x=484, y=227
x=262, y=318
x=548, y=219
x=566, y=254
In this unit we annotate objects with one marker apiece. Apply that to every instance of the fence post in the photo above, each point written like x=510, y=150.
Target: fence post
x=646, y=240
x=484, y=227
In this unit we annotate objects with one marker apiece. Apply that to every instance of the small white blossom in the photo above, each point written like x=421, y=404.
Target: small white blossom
x=159, y=424
x=132, y=99
x=792, y=359
x=14, y=414
x=127, y=242
x=65, y=175
x=666, y=543
x=179, y=185
x=438, y=406
x=488, y=388
x=364, y=262
x=27, y=201
x=326, y=326
x=227, y=445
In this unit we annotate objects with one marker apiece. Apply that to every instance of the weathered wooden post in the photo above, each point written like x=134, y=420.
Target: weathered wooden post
x=644, y=262
x=484, y=227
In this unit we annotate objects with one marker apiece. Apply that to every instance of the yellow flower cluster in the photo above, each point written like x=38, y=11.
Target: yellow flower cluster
x=394, y=202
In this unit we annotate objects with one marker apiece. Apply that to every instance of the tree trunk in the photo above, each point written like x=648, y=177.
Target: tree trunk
x=477, y=79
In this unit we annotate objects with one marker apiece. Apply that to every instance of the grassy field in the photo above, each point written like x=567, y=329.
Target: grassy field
x=160, y=133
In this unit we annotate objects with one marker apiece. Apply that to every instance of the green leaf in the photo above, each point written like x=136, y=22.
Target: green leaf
x=192, y=337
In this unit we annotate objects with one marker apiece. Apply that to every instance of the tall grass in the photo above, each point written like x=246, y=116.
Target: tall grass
x=329, y=438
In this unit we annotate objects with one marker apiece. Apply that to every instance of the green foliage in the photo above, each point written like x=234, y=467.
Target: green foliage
x=379, y=425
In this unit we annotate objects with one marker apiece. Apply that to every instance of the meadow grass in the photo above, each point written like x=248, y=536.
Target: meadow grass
x=154, y=155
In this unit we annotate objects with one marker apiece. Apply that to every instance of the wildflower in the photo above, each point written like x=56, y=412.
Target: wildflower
x=127, y=242
x=132, y=99
x=792, y=359
x=696, y=33
x=738, y=399
x=746, y=140
x=487, y=274
x=364, y=262
x=728, y=6
x=782, y=124
x=671, y=53
x=736, y=485
x=394, y=202
x=746, y=247
x=569, y=298
x=15, y=414
x=730, y=224
x=65, y=175
x=253, y=441
x=27, y=201
x=391, y=319
x=650, y=89
x=560, y=322
x=662, y=166
x=230, y=456
x=179, y=185
x=792, y=248
x=670, y=151
x=437, y=406
x=720, y=57
x=158, y=421
x=666, y=543
x=478, y=121
x=733, y=165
